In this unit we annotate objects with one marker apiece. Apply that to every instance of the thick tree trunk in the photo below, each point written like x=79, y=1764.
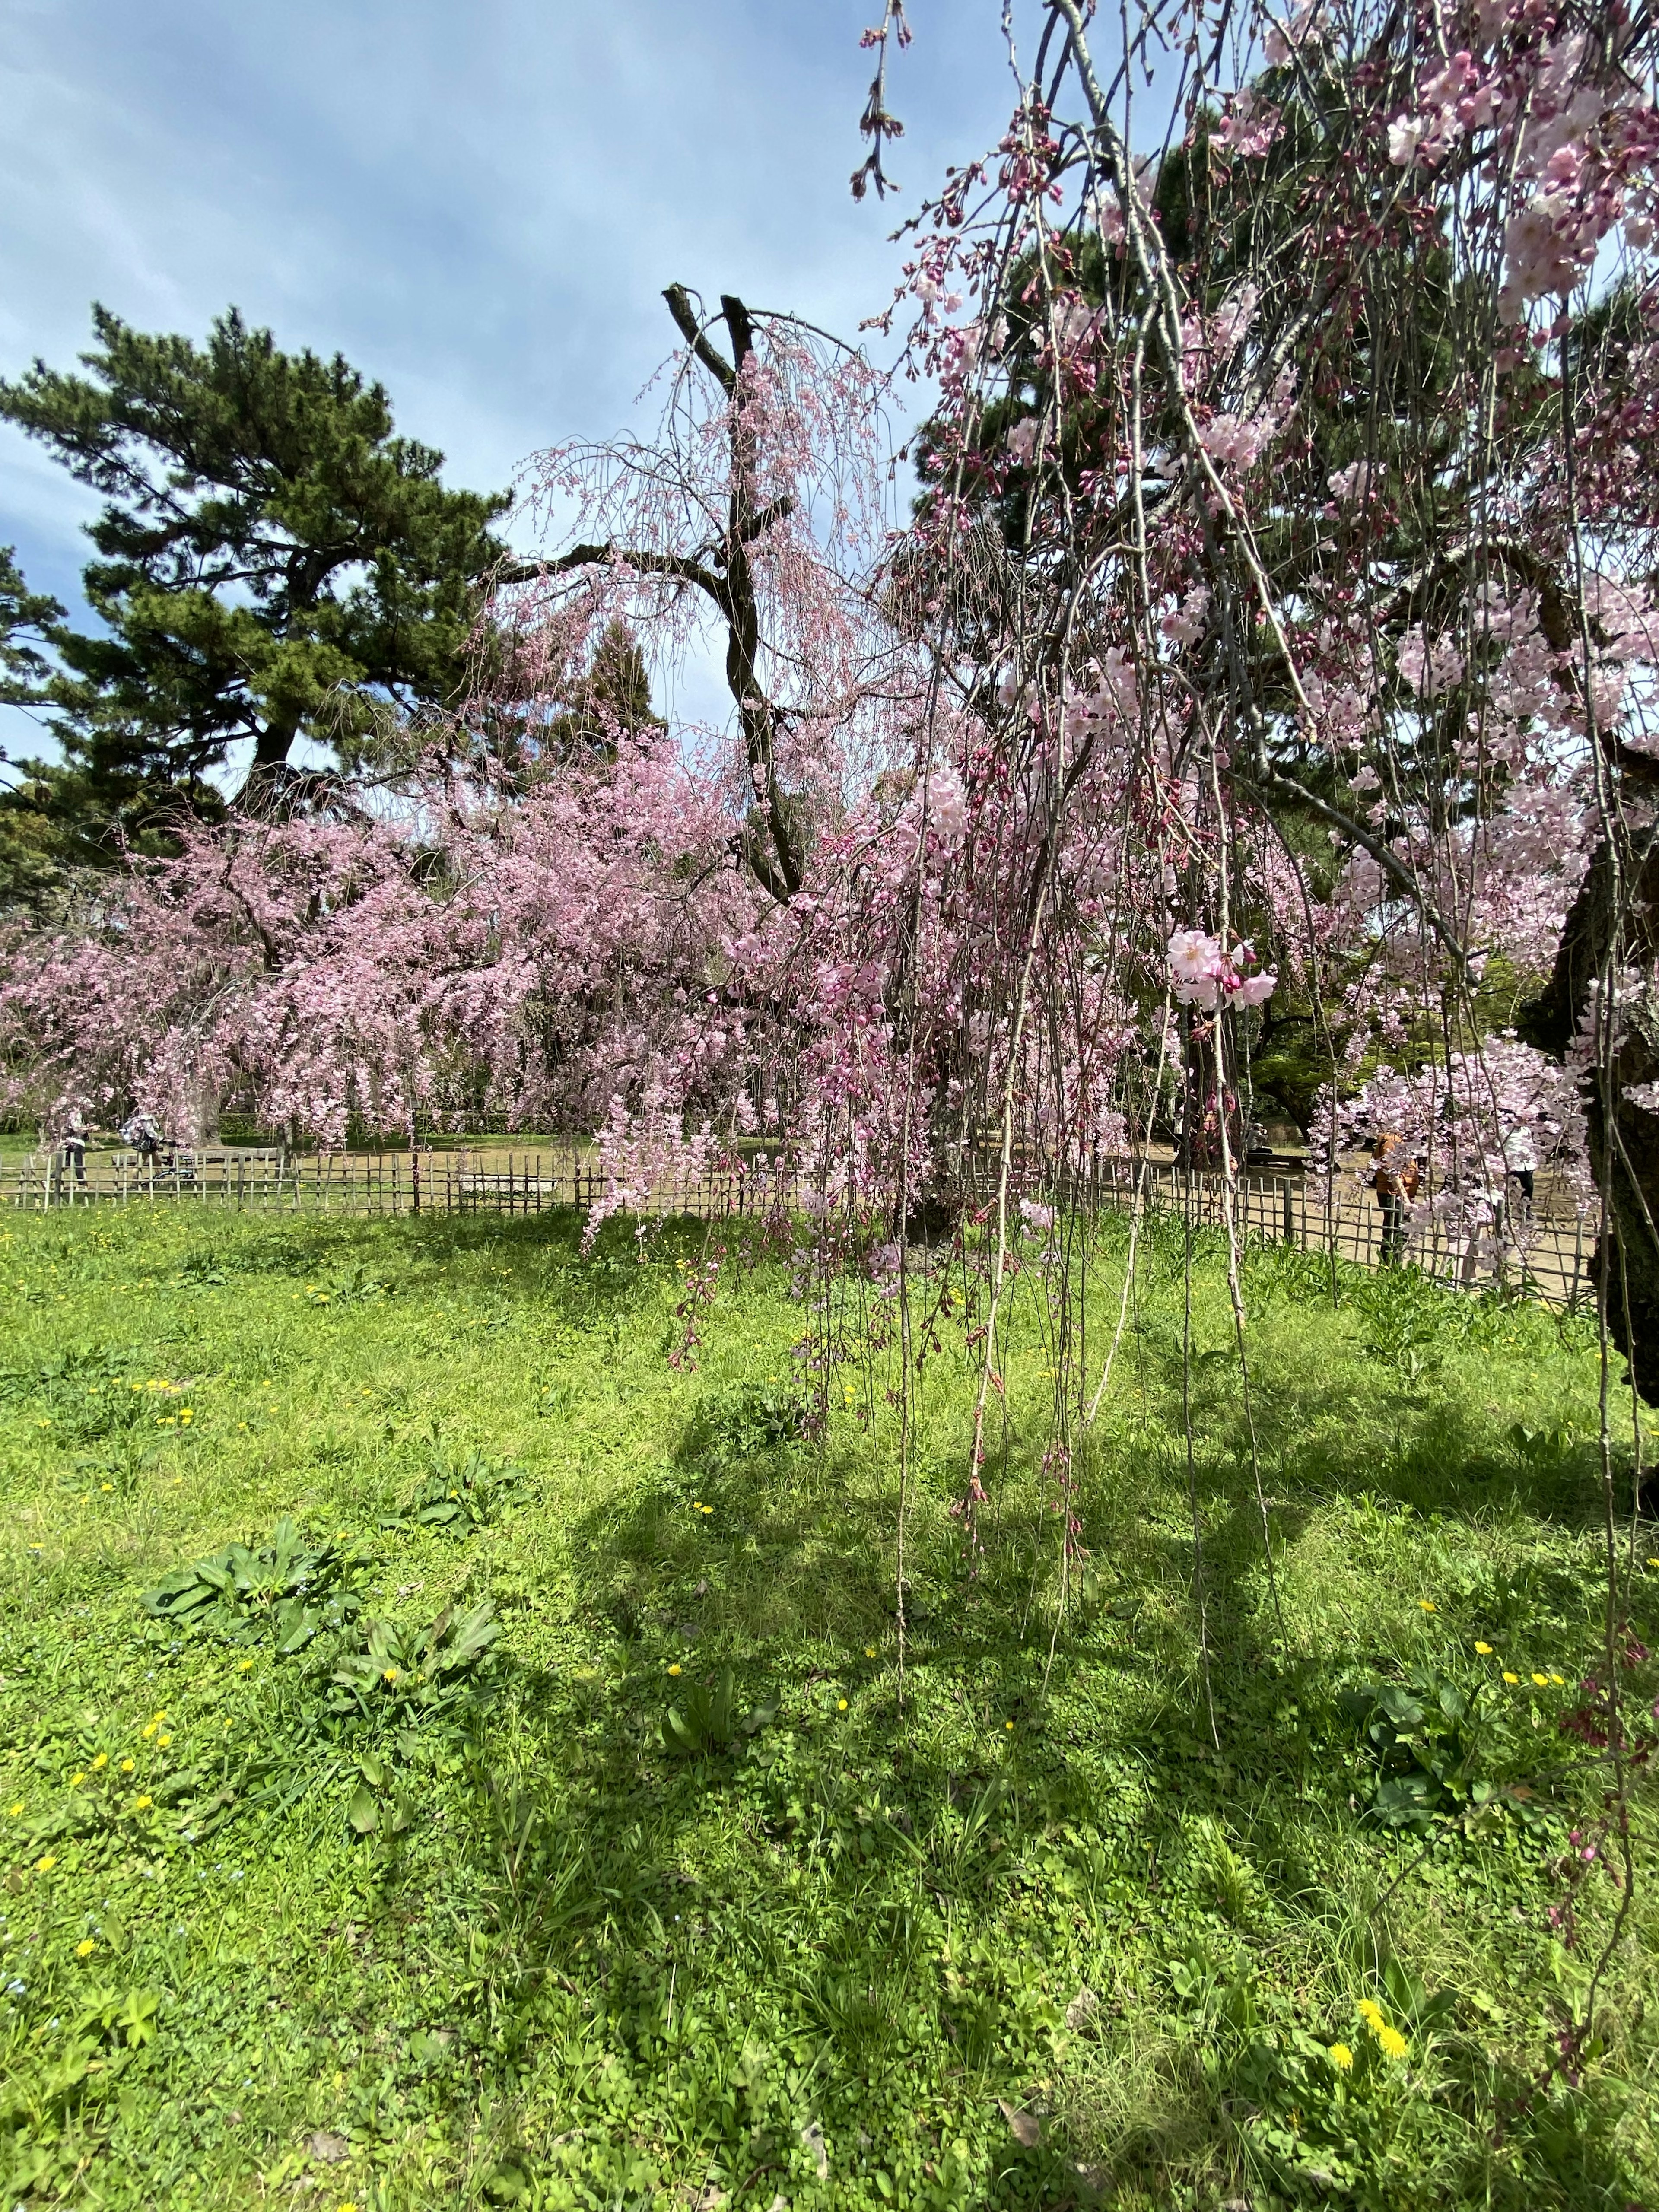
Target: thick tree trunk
x=1608, y=921
x=268, y=770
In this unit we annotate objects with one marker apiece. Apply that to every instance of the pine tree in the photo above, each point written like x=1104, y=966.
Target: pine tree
x=610, y=701
x=274, y=566
x=24, y=614
x=28, y=841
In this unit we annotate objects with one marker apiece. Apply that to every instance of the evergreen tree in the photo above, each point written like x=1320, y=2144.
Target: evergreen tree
x=24, y=614
x=27, y=623
x=611, y=701
x=274, y=565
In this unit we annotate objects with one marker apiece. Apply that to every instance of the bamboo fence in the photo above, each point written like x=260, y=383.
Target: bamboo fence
x=1548, y=1255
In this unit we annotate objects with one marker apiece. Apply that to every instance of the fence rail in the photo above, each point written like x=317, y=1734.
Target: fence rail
x=1549, y=1254
x=495, y=1180
x=1547, y=1251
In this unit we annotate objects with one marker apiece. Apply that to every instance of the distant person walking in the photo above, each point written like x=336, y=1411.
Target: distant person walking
x=145, y=1139
x=1395, y=1178
x=75, y=1149
x=1521, y=1159
x=1520, y=1166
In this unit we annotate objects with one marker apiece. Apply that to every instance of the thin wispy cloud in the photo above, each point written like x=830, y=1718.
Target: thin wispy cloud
x=478, y=206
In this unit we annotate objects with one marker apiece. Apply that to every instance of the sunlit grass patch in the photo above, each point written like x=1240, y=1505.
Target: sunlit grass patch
x=565, y=1835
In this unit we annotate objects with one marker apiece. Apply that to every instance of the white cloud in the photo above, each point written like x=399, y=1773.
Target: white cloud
x=479, y=205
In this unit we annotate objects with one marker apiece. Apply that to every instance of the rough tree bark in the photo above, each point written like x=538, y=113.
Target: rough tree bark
x=1615, y=922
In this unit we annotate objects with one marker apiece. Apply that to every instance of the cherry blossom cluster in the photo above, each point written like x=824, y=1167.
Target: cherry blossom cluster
x=1215, y=604
x=1203, y=973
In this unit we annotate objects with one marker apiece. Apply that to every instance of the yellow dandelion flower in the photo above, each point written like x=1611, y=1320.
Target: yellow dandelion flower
x=1559, y=1679
x=1508, y=1677
x=242, y=1665
x=85, y=1948
x=1370, y=2012
x=127, y=1765
x=100, y=1762
x=1485, y=1650
x=1393, y=2043
x=1428, y=1605
x=14, y=1812
x=163, y=1741
x=388, y=1674
x=1341, y=2057
x=675, y=1669
x=869, y=1650
x=143, y=1804
x=1542, y=1681
x=45, y=1863
x=841, y=1704
x=76, y=1780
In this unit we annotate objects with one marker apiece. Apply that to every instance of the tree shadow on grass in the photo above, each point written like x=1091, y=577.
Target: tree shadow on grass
x=1423, y=1441
x=1250, y=1824
x=785, y=1928
x=851, y=1923
x=853, y=1920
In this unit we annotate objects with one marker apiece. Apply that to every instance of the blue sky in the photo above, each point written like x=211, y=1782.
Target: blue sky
x=478, y=204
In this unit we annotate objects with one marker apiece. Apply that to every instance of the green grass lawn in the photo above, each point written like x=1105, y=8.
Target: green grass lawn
x=530, y=1815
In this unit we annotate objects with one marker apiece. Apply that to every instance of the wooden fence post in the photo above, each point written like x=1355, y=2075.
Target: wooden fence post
x=534, y=1182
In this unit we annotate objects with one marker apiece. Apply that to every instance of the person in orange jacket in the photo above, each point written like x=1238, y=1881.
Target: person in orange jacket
x=1395, y=1176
